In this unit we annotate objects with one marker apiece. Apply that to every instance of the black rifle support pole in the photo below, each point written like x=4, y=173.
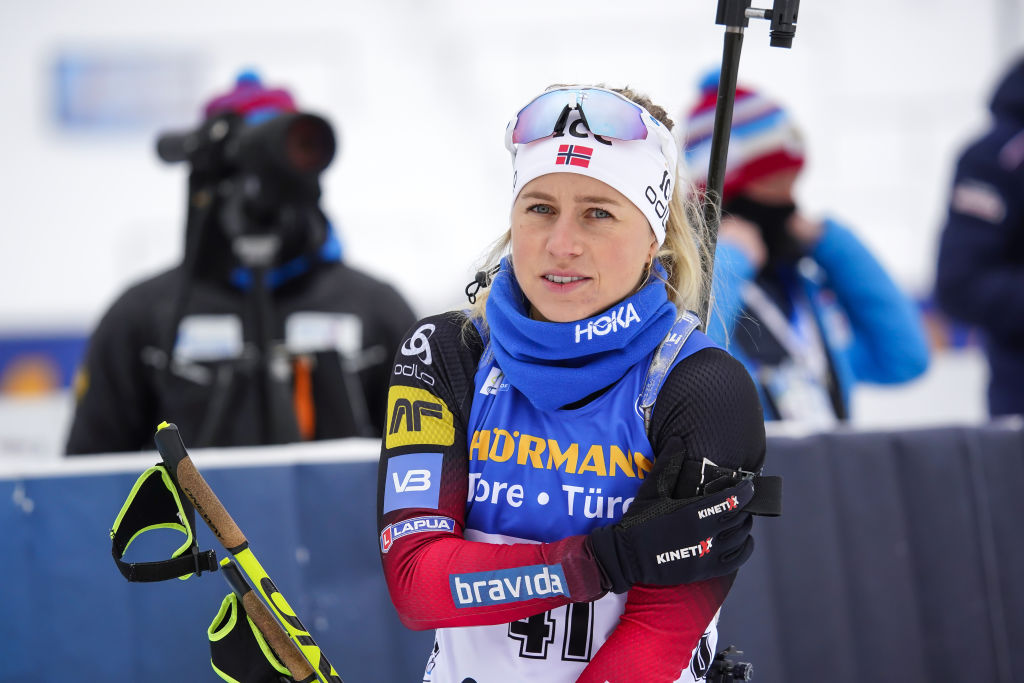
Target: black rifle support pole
x=731, y=14
x=734, y=15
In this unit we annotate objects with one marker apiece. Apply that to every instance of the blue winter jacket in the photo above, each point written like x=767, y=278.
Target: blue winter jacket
x=980, y=273
x=872, y=330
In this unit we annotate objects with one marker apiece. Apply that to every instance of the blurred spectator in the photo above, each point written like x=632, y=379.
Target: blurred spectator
x=271, y=337
x=799, y=300
x=945, y=333
x=980, y=274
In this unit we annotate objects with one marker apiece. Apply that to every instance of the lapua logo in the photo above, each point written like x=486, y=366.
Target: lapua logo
x=416, y=525
x=607, y=324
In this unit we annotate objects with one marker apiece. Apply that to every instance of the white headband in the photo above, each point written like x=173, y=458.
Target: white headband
x=644, y=171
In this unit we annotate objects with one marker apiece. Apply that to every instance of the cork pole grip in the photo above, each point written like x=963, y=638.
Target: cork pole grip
x=208, y=505
x=180, y=466
x=283, y=646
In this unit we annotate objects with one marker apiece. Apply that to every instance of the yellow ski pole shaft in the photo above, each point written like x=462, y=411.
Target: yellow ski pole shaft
x=278, y=639
x=315, y=665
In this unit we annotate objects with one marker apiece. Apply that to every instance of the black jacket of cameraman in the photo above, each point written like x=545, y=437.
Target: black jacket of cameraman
x=343, y=328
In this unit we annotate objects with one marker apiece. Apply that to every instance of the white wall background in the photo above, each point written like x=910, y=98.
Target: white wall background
x=886, y=91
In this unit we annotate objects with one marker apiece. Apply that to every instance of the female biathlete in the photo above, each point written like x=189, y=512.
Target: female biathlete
x=537, y=506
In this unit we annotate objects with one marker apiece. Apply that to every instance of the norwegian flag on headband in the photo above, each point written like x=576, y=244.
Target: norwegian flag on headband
x=574, y=155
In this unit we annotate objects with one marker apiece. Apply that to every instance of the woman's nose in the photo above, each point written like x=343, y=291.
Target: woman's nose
x=566, y=236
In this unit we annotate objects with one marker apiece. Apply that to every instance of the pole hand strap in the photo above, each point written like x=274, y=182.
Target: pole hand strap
x=238, y=651
x=767, y=500
x=156, y=502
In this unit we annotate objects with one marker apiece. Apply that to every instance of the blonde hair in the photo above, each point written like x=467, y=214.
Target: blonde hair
x=683, y=254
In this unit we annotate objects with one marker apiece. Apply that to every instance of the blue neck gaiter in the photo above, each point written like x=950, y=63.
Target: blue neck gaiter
x=554, y=364
x=329, y=252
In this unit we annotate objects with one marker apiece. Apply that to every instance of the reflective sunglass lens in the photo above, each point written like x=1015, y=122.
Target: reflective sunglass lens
x=611, y=116
x=605, y=113
x=537, y=119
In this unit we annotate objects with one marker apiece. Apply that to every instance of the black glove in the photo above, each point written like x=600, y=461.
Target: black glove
x=666, y=541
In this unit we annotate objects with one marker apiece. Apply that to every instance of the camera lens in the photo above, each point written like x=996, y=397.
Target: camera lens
x=309, y=144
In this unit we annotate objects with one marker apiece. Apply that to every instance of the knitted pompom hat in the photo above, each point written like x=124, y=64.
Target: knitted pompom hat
x=763, y=141
x=251, y=100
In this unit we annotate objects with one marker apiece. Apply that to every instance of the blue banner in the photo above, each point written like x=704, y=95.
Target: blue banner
x=897, y=558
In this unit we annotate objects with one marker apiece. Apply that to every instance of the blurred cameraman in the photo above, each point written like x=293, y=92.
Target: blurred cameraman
x=262, y=334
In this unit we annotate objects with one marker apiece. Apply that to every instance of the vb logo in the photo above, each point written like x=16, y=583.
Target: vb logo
x=414, y=480
x=410, y=479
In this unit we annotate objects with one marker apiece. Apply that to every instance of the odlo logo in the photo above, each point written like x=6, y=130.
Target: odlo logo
x=606, y=324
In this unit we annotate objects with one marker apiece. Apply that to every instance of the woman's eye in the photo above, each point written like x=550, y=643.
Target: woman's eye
x=600, y=213
x=540, y=208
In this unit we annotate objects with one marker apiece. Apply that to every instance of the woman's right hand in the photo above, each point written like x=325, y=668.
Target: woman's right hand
x=662, y=540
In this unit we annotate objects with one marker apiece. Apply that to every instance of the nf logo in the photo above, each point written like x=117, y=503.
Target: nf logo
x=508, y=585
x=393, y=532
x=419, y=343
x=416, y=416
x=412, y=481
x=492, y=384
x=730, y=503
x=574, y=155
x=412, y=413
x=606, y=324
x=699, y=550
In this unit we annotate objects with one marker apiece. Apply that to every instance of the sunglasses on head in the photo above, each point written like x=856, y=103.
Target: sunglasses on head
x=604, y=112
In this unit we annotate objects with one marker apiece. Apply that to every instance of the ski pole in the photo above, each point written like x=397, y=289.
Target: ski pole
x=278, y=639
x=734, y=14
x=311, y=664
